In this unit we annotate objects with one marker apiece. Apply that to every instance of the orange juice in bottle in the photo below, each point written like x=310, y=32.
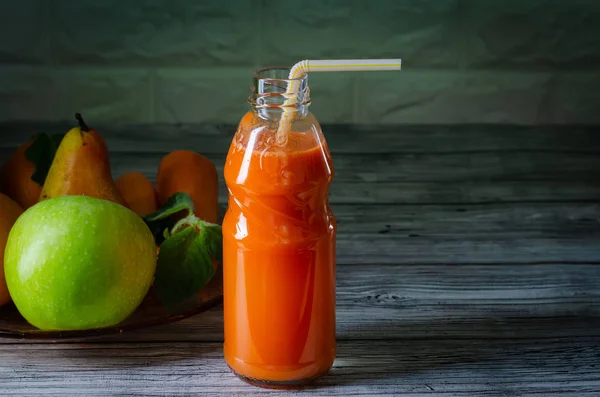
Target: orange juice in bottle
x=279, y=240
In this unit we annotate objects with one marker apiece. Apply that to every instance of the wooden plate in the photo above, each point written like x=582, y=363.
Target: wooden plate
x=150, y=312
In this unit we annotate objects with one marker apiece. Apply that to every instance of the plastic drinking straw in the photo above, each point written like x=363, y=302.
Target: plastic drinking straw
x=301, y=68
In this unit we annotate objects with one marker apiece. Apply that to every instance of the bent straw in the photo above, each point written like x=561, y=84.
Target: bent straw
x=301, y=68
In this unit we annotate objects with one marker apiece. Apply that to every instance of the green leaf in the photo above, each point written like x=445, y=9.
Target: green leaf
x=41, y=154
x=161, y=220
x=214, y=240
x=185, y=261
x=176, y=203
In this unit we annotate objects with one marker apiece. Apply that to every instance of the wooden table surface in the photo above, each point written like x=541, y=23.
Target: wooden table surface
x=467, y=266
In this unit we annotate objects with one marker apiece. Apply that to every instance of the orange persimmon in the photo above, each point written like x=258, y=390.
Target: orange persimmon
x=184, y=171
x=10, y=210
x=138, y=192
x=15, y=178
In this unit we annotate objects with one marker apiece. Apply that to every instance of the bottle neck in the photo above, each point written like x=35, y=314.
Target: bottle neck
x=273, y=93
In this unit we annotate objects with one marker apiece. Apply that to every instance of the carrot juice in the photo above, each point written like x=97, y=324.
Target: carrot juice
x=279, y=254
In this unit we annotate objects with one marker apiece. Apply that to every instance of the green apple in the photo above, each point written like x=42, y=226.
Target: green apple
x=77, y=262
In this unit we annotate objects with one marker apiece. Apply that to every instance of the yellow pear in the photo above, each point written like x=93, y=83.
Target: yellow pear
x=81, y=167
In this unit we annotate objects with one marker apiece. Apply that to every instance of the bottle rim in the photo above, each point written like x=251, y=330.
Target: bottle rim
x=258, y=76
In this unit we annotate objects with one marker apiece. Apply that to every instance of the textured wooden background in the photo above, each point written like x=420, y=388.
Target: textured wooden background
x=464, y=61
x=467, y=265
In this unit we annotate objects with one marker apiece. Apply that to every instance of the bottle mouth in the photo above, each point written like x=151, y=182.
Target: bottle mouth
x=276, y=73
x=270, y=87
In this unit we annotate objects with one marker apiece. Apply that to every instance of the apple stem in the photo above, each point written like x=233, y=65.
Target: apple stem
x=82, y=123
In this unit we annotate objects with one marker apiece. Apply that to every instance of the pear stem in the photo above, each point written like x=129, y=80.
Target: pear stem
x=82, y=123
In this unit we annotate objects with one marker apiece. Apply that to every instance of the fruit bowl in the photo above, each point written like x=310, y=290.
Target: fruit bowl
x=150, y=313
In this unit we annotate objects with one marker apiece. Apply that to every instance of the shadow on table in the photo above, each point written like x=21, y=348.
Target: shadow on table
x=491, y=343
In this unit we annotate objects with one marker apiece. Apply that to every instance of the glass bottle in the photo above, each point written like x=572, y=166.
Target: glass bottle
x=279, y=240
